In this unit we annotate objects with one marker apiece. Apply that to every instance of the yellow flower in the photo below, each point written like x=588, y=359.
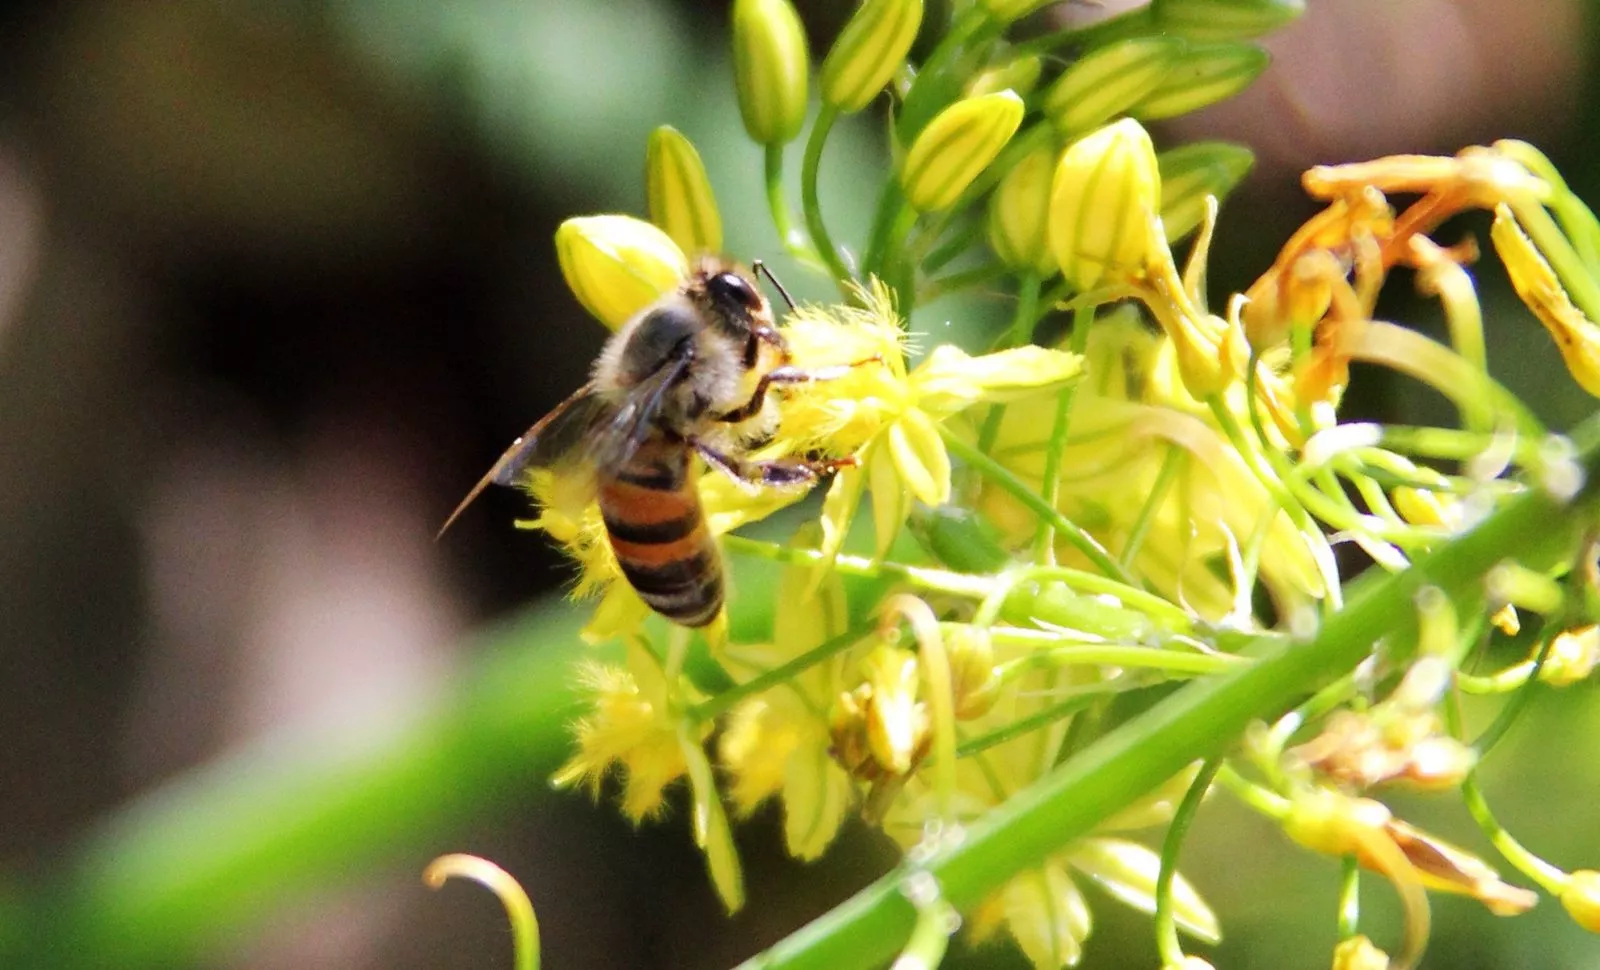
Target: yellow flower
x=632, y=726
x=887, y=416
x=1128, y=417
x=618, y=265
x=1043, y=908
x=678, y=192
x=777, y=742
x=636, y=723
x=956, y=146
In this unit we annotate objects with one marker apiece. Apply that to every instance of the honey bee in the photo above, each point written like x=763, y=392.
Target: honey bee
x=688, y=375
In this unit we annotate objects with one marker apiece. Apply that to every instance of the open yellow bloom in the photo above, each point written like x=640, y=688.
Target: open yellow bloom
x=889, y=416
x=631, y=725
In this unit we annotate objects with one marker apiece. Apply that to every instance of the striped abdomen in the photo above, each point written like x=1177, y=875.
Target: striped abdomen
x=652, y=513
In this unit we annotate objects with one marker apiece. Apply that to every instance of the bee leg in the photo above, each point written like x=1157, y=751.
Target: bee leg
x=772, y=472
x=787, y=375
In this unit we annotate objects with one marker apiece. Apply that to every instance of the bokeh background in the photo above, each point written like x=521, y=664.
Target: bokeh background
x=277, y=283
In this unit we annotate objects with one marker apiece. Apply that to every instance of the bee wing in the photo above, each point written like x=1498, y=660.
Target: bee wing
x=614, y=443
x=555, y=436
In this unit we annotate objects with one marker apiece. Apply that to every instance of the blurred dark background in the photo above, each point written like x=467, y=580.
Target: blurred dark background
x=277, y=283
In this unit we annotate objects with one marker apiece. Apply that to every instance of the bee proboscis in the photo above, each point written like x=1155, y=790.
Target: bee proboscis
x=687, y=375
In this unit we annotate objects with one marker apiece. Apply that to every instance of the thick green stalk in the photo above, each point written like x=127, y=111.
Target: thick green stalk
x=1196, y=722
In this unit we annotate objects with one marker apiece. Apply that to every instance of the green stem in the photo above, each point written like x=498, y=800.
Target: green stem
x=962, y=280
x=1166, y=926
x=1044, y=538
x=1168, y=661
x=930, y=580
x=795, y=242
x=886, y=219
x=813, y=208
x=723, y=702
x=1197, y=721
x=1003, y=477
x=1043, y=719
x=1349, y=918
x=1174, y=461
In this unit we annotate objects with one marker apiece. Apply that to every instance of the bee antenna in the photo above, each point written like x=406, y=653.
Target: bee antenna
x=763, y=269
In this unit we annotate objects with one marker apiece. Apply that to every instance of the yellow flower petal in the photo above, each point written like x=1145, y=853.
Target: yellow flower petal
x=891, y=503
x=711, y=830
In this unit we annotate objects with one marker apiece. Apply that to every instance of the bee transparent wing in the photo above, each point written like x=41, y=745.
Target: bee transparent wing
x=635, y=419
x=556, y=436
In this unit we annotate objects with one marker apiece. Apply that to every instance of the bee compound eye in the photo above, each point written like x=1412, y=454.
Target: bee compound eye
x=736, y=288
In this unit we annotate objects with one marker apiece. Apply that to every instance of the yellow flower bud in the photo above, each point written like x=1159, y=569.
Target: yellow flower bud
x=679, y=193
x=956, y=146
x=1192, y=172
x=1108, y=81
x=1202, y=75
x=771, y=66
x=1019, y=214
x=868, y=52
x=1581, y=898
x=617, y=265
x=1019, y=74
x=1223, y=19
x=1103, y=205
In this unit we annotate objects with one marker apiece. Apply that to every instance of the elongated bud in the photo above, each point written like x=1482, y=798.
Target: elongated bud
x=1108, y=81
x=1103, y=205
x=1020, y=74
x=679, y=193
x=1019, y=214
x=956, y=146
x=869, y=50
x=617, y=265
x=1223, y=19
x=1194, y=171
x=1581, y=899
x=1203, y=75
x=771, y=66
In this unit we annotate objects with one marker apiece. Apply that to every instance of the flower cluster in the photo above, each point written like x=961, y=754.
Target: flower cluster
x=1062, y=525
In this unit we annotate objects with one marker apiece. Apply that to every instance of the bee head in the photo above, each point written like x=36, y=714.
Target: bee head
x=735, y=302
